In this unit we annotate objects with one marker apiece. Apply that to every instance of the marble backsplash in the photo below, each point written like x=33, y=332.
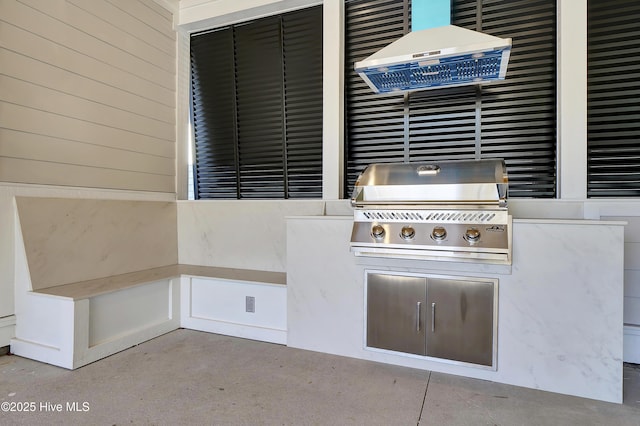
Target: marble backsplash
x=242, y=234
x=69, y=240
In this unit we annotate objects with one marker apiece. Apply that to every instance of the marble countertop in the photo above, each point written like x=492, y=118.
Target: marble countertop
x=515, y=220
x=570, y=221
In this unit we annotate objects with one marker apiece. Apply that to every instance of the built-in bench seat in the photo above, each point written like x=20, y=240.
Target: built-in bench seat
x=94, y=277
x=99, y=286
x=74, y=324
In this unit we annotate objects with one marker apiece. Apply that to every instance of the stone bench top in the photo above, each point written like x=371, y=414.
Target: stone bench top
x=91, y=288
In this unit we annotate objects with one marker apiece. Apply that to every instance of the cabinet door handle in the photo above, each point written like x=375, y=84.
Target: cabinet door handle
x=433, y=317
x=418, y=306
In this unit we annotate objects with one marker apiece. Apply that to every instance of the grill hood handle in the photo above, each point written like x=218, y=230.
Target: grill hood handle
x=428, y=170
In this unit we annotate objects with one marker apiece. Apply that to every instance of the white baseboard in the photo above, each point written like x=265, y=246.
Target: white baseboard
x=236, y=330
x=7, y=330
x=631, y=344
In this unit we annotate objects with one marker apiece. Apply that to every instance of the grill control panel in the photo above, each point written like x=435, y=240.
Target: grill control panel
x=468, y=235
x=467, y=242
x=420, y=235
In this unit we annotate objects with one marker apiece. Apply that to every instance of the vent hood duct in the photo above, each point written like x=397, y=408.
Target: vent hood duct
x=437, y=57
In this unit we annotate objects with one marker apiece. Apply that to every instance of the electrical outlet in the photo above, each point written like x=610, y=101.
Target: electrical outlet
x=250, y=304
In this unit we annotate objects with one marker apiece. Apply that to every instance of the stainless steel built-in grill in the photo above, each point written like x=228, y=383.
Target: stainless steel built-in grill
x=449, y=210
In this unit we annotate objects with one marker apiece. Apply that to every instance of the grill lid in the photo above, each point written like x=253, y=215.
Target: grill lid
x=444, y=182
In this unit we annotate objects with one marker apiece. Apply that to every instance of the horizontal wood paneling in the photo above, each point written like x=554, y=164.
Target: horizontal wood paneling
x=106, y=34
x=15, y=117
x=50, y=76
x=32, y=46
x=155, y=16
x=50, y=173
x=45, y=148
x=87, y=94
x=63, y=33
x=153, y=37
x=20, y=92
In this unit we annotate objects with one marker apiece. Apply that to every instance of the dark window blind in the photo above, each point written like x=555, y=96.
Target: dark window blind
x=260, y=114
x=514, y=119
x=213, y=112
x=302, y=50
x=374, y=124
x=518, y=116
x=257, y=108
x=613, y=99
x=443, y=127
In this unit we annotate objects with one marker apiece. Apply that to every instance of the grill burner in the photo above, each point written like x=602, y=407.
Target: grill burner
x=453, y=210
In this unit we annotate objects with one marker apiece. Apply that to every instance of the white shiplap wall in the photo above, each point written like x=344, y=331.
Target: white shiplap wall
x=87, y=94
x=87, y=108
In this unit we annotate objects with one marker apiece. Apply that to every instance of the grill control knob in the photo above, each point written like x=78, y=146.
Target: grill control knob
x=407, y=232
x=472, y=235
x=377, y=232
x=439, y=233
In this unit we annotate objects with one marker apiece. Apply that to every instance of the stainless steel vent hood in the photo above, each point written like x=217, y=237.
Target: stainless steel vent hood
x=444, y=56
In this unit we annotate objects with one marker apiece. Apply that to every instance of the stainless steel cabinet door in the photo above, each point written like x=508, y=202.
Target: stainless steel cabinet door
x=460, y=320
x=396, y=312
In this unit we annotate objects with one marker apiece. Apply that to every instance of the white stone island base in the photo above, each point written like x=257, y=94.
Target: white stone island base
x=560, y=324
